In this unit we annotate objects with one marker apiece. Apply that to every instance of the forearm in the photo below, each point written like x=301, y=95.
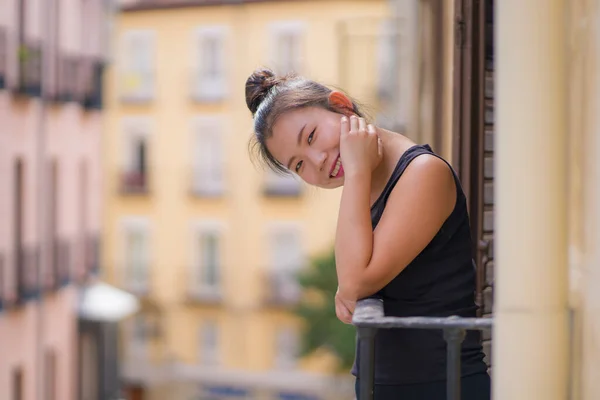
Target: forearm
x=354, y=237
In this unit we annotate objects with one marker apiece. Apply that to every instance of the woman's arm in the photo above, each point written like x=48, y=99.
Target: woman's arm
x=421, y=201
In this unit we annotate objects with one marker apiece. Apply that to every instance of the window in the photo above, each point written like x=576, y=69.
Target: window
x=136, y=254
x=287, y=348
x=207, y=156
x=209, y=72
x=207, y=264
x=209, y=343
x=134, y=178
x=286, y=261
x=17, y=384
x=88, y=366
x=18, y=208
x=287, y=44
x=209, y=242
x=138, y=55
x=388, y=60
x=50, y=375
x=137, y=346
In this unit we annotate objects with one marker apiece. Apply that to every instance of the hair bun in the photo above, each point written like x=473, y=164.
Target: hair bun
x=258, y=86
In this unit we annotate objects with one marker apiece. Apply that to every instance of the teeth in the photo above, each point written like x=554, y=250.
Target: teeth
x=336, y=169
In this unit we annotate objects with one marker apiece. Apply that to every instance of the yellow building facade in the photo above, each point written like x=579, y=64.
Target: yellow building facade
x=209, y=242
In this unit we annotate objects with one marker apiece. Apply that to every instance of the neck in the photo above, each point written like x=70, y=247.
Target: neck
x=394, y=145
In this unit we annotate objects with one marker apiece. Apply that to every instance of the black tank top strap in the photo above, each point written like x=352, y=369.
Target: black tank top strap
x=407, y=157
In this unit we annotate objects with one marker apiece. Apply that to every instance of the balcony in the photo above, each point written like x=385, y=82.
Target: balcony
x=70, y=72
x=276, y=185
x=88, y=258
x=207, y=182
x=204, y=294
x=137, y=86
x=134, y=182
x=29, y=68
x=368, y=317
x=208, y=89
x=92, y=255
x=282, y=289
x=59, y=271
x=92, y=84
x=3, y=56
x=2, y=280
x=135, y=275
x=26, y=263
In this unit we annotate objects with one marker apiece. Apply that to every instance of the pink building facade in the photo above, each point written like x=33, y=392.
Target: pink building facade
x=51, y=57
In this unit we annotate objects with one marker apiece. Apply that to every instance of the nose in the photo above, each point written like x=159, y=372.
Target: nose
x=318, y=158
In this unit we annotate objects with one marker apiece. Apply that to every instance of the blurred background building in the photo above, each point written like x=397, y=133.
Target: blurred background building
x=124, y=123
x=210, y=243
x=51, y=62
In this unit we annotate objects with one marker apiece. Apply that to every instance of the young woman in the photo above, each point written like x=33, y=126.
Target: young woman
x=402, y=233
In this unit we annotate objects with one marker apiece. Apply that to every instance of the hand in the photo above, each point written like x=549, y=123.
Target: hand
x=360, y=146
x=344, y=308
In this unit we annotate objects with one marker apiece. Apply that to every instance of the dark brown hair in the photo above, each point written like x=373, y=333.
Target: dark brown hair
x=269, y=96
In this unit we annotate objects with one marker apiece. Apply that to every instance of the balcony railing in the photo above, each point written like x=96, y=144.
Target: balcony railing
x=137, y=278
x=206, y=294
x=26, y=262
x=69, y=78
x=207, y=182
x=281, y=185
x=3, y=56
x=283, y=289
x=134, y=182
x=92, y=255
x=137, y=86
x=30, y=68
x=2, y=280
x=92, y=84
x=369, y=317
x=59, y=273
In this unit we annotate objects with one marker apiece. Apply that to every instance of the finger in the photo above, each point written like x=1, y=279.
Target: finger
x=346, y=316
x=353, y=124
x=371, y=130
x=338, y=311
x=345, y=125
x=362, y=125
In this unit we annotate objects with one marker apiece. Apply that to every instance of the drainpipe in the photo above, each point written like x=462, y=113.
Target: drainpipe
x=530, y=344
x=40, y=155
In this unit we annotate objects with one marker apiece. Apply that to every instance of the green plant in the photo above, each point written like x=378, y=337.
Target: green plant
x=322, y=328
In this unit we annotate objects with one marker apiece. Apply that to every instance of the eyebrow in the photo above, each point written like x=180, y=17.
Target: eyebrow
x=297, y=144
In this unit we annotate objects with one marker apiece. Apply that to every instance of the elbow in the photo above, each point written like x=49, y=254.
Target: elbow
x=356, y=287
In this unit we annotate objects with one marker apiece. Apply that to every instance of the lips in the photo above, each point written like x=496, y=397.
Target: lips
x=337, y=170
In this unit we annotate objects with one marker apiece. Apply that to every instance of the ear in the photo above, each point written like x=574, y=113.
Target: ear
x=341, y=102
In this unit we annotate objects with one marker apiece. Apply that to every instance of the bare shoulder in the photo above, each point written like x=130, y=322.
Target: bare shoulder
x=427, y=183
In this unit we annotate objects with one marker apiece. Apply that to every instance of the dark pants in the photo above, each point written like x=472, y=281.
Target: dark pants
x=474, y=387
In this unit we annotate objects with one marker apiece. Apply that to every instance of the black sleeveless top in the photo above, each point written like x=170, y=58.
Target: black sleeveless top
x=439, y=282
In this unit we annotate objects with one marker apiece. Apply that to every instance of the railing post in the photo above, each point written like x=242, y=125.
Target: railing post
x=366, y=376
x=454, y=338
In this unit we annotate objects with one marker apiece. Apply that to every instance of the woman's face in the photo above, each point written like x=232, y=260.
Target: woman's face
x=307, y=142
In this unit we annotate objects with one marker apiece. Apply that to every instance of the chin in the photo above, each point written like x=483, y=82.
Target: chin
x=332, y=184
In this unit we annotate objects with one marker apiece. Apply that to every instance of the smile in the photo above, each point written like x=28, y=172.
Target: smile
x=337, y=169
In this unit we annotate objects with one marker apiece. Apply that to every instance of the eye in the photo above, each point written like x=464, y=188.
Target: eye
x=310, y=137
x=298, y=166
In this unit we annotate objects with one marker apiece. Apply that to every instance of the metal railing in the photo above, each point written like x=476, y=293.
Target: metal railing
x=134, y=182
x=30, y=67
x=3, y=56
x=369, y=317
